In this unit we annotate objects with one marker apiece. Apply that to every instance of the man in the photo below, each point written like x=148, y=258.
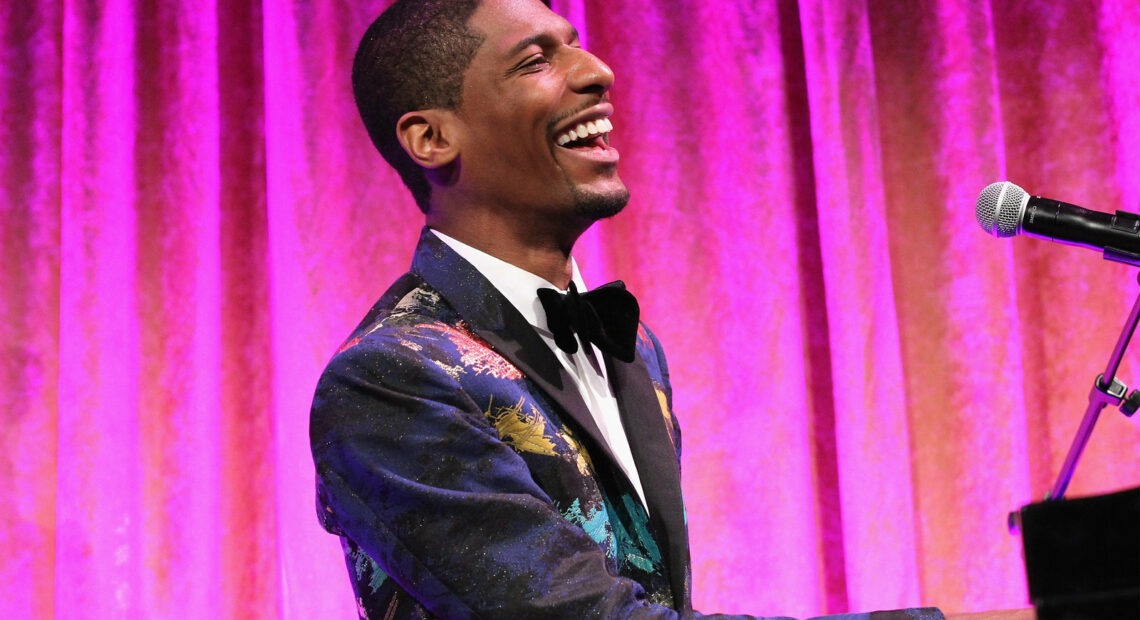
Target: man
x=483, y=449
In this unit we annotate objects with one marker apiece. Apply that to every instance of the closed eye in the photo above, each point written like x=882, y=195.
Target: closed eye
x=533, y=63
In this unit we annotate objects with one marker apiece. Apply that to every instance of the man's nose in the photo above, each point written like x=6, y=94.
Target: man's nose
x=589, y=74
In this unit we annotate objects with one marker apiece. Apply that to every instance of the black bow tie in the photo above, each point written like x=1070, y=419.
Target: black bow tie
x=605, y=317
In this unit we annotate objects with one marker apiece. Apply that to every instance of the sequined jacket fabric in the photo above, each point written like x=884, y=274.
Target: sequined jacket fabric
x=466, y=477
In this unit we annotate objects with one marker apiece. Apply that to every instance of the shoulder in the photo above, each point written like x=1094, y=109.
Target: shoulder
x=408, y=348
x=410, y=336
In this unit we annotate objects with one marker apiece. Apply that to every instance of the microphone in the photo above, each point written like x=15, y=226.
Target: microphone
x=1005, y=210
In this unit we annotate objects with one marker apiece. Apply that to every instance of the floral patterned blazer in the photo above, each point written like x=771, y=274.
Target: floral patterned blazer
x=465, y=476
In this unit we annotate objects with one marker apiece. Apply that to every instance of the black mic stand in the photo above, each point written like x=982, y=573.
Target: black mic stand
x=1102, y=393
x=1082, y=556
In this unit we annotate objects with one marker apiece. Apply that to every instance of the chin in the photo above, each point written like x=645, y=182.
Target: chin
x=600, y=205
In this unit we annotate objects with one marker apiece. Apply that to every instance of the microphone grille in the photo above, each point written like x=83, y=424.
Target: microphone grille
x=999, y=208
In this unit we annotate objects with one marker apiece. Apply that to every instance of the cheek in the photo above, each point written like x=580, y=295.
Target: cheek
x=524, y=117
x=513, y=127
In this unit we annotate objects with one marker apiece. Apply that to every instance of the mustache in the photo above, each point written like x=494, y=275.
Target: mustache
x=578, y=110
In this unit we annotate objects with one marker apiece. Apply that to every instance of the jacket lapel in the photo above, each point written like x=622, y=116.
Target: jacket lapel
x=656, y=461
x=494, y=319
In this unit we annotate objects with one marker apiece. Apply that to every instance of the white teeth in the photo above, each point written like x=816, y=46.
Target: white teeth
x=592, y=128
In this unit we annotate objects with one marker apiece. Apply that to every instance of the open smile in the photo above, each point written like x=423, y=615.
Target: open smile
x=590, y=139
x=587, y=134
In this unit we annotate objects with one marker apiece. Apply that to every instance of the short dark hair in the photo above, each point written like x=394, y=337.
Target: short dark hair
x=413, y=57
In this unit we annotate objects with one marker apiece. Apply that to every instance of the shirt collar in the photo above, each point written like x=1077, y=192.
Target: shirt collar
x=518, y=285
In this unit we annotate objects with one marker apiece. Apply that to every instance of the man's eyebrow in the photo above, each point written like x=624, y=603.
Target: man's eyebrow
x=539, y=39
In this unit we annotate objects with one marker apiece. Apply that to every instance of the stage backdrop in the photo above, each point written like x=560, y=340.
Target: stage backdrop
x=192, y=218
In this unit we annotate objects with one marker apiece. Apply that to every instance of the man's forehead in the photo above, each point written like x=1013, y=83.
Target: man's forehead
x=511, y=25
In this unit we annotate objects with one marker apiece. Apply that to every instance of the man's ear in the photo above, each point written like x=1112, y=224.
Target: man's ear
x=428, y=136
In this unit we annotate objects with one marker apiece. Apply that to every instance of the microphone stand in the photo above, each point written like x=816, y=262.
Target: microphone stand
x=1104, y=392
x=1082, y=556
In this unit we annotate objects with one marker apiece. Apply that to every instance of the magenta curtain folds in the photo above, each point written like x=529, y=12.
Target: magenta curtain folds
x=192, y=217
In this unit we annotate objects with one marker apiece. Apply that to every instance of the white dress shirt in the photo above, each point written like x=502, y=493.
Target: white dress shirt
x=585, y=368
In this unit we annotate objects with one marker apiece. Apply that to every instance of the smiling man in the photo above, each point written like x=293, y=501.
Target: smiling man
x=492, y=441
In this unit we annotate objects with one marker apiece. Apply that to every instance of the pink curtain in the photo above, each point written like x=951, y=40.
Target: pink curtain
x=192, y=217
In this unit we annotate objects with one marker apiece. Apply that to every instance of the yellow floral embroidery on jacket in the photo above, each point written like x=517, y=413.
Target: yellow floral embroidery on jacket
x=523, y=431
x=663, y=400
x=582, y=458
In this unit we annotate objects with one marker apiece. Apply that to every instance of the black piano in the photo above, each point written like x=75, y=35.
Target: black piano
x=1082, y=556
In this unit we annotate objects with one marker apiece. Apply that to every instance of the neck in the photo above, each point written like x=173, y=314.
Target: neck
x=540, y=252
